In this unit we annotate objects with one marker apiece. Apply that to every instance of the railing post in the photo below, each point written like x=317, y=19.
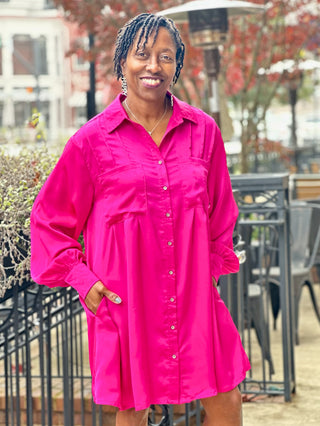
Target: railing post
x=286, y=298
x=264, y=201
x=17, y=362
x=49, y=364
x=41, y=356
x=27, y=366
x=65, y=368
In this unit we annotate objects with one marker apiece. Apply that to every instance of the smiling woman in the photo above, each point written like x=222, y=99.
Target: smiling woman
x=149, y=71
x=148, y=66
x=146, y=182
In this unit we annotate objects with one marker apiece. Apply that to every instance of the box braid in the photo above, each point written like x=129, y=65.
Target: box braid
x=148, y=23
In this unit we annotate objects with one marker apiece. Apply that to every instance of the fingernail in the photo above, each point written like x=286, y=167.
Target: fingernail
x=117, y=300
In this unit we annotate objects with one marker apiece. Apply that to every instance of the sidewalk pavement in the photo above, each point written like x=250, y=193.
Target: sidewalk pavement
x=304, y=409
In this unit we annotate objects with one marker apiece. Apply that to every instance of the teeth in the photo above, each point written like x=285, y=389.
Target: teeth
x=151, y=81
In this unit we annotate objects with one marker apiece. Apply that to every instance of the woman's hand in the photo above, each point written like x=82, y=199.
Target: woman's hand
x=96, y=294
x=214, y=282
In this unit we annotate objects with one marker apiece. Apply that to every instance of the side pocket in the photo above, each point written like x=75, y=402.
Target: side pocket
x=87, y=310
x=230, y=358
x=104, y=350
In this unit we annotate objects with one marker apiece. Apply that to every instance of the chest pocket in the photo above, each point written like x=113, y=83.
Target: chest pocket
x=194, y=173
x=122, y=192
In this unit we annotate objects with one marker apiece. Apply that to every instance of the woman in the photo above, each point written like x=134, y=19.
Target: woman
x=146, y=182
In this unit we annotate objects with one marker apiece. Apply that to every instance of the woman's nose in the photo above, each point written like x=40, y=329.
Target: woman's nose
x=153, y=64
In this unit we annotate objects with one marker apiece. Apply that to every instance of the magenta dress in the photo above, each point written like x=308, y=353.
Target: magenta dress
x=157, y=225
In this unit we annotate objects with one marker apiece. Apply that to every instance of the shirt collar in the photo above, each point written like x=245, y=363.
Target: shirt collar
x=115, y=114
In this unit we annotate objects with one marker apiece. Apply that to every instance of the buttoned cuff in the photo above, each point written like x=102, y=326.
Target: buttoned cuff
x=81, y=278
x=216, y=266
x=223, y=260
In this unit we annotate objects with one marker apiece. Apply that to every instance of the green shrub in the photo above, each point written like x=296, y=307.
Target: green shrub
x=21, y=177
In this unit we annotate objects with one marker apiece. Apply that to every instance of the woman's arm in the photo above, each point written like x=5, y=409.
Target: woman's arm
x=223, y=212
x=57, y=219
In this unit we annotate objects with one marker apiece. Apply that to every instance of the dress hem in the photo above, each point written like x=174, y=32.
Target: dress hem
x=184, y=400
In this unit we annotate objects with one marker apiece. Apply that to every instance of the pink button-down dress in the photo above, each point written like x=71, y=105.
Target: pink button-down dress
x=157, y=225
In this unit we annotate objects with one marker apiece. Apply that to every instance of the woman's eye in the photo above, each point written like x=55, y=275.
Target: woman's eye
x=141, y=54
x=166, y=58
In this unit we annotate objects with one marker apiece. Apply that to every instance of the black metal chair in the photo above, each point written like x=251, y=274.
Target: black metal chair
x=260, y=258
x=303, y=257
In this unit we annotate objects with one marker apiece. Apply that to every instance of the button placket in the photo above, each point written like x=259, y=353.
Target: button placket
x=167, y=243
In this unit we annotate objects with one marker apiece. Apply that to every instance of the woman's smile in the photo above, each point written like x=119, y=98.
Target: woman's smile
x=150, y=81
x=149, y=69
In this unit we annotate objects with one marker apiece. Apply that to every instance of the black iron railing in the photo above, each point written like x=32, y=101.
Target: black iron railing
x=42, y=343
x=44, y=367
x=264, y=226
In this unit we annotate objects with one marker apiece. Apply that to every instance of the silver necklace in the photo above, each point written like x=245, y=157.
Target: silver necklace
x=157, y=123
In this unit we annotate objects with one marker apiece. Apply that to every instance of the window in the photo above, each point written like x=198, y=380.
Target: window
x=1, y=114
x=29, y=55
x=80, y=61
x=49, y=4
x=41, y=44
x=58, y=64
x=23, y=111
x=0, y=56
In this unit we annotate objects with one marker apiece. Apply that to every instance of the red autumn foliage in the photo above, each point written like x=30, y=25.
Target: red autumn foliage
x=254, y=42
x=283, y=31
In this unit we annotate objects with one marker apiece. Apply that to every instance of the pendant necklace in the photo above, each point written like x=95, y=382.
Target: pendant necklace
x=157, y=123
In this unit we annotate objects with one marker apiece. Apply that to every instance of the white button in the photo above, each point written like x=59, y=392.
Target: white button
x=174, y=356
x=171, y=299
x=168, y=214
x=160, y=162
x=172, y=327
x=170, y=272
x=165, y=187
x=169, y=243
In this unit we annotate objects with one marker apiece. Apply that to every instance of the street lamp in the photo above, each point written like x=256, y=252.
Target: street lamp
x=208, y=28
x=91, y=93
x=293, y=81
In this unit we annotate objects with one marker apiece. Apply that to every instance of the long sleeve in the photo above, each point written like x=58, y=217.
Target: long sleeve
x=223, y=212
x=57, y=219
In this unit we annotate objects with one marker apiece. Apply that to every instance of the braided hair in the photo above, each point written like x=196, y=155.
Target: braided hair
x=148, y=23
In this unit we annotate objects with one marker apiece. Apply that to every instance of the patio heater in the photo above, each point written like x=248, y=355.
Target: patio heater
x=208, y=28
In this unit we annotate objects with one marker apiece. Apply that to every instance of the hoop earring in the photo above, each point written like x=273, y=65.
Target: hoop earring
x=171, y=95
x=124, y=85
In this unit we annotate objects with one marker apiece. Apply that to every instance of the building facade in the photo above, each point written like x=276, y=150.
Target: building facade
x=35, y=74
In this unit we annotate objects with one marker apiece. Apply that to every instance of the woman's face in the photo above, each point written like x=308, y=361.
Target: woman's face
x=150, y=70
